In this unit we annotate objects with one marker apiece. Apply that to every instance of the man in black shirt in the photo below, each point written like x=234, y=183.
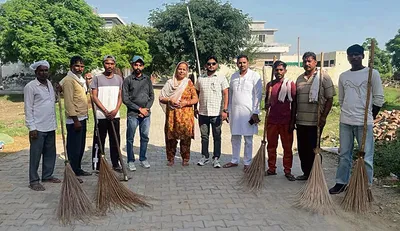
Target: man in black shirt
x=138, y=96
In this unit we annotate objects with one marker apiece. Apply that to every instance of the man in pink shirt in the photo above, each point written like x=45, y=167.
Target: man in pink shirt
x=280, y=121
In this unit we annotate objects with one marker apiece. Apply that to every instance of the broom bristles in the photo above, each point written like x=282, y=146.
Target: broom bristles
x=358, y=194
x=74, y=202
x=111, y=193
x=314, y=195
x=253, y=177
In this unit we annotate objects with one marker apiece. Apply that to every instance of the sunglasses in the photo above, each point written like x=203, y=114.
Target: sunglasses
x=211, y=64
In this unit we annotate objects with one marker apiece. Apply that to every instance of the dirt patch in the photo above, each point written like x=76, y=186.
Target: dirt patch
x=386, y=207
x=20, y=143
x=11, y=111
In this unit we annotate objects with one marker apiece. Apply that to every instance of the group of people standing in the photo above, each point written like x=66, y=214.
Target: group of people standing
x=212, y=100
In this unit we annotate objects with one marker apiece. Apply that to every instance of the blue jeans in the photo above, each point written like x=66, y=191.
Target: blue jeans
x=144, y=128
x=216, y=124
x=347, y=134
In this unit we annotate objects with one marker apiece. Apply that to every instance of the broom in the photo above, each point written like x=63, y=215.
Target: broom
x=314, y=195
x=74, y=202
x=110, y=191
x=253, y=177
x=358, y=194
x=124, y=172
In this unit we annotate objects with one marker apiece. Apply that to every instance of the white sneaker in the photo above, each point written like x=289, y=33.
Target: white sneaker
x=203, y=161
x=145, y=164
x=216, y=163
x=131, y=166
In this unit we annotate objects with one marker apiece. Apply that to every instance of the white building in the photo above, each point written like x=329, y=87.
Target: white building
x=266, y=48
x=111, y=20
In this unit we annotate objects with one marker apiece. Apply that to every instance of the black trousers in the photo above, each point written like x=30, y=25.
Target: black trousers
x=76, y=142
x=104, y=126
x=306, y=143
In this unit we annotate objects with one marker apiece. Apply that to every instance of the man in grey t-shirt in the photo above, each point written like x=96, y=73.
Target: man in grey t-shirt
x=107, y=95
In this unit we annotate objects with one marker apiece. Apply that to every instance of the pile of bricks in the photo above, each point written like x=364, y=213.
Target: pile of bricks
x=386, y=125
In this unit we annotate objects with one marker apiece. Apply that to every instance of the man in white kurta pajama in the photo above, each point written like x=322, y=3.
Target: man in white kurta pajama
x=245, y=92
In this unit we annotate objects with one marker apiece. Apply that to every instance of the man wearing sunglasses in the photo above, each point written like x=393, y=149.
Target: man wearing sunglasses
x=213, y=99
x=353, y=87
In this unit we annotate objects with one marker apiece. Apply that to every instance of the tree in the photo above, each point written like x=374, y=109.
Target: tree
x=53, y=30
x=220, y=30
x=125, y=41
x=393, y=46
x=381, y=59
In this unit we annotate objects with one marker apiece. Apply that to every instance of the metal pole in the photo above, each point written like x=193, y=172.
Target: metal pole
x=1, y=76
x=298, y=51
x=194, y=39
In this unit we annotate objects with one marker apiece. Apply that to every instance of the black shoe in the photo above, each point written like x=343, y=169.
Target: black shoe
x=302, y=177
x=84, y=173
x=117, y=169
x=338, y=188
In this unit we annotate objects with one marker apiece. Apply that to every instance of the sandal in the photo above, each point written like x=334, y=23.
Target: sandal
x=185, y=163
x=290, y=177
x=270, y=173
x=229, y=165
x=170, y=163
x=52, y=180
x=37, y=187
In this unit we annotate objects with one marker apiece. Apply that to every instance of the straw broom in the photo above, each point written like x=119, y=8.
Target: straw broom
x=74, y=202
x=358, y=194
x=111, y=193
x=253, y=177
x=124, y=172
x=314, y=195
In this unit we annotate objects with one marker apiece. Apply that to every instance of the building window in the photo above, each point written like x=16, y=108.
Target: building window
x=326, y=63
x=332, y=63
x=261, y=38
x=268, y=63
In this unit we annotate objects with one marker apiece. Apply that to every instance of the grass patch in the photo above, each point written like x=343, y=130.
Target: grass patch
x=17, y=126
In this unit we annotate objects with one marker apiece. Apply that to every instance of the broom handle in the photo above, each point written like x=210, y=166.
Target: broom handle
x=119, y=152
x=96, y=128
x=319, y=102
x=269, y=91
x=371, y=68
x=62, y=127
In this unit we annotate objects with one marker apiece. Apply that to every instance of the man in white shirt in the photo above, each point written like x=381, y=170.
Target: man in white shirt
x=40, y=118
x=245, y=92
x=352, y=98
x=213, y=99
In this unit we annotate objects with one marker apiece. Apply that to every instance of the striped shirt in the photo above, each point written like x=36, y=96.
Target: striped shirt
x=210, y=97
x=306, y=111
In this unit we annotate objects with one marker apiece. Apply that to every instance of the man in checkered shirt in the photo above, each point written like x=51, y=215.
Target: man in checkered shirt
x=213, y=99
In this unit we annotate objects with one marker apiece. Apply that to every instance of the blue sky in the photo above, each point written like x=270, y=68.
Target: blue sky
x=321, y=25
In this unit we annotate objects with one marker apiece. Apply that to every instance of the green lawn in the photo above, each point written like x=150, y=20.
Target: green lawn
x=17, y=127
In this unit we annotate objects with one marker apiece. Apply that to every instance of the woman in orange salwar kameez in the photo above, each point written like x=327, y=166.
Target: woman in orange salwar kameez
x=177, y=99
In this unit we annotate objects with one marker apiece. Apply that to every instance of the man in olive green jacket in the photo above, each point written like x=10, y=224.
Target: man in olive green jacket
x=76, y=110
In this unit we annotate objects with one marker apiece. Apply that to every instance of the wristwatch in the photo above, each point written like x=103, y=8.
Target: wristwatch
x=225, y=110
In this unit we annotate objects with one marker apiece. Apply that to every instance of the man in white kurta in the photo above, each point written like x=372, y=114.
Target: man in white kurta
x=245, y=92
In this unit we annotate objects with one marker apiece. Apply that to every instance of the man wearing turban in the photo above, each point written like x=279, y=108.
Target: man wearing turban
x=40, y=118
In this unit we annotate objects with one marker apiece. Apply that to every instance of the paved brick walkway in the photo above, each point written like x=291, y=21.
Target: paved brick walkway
x=188, y=198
